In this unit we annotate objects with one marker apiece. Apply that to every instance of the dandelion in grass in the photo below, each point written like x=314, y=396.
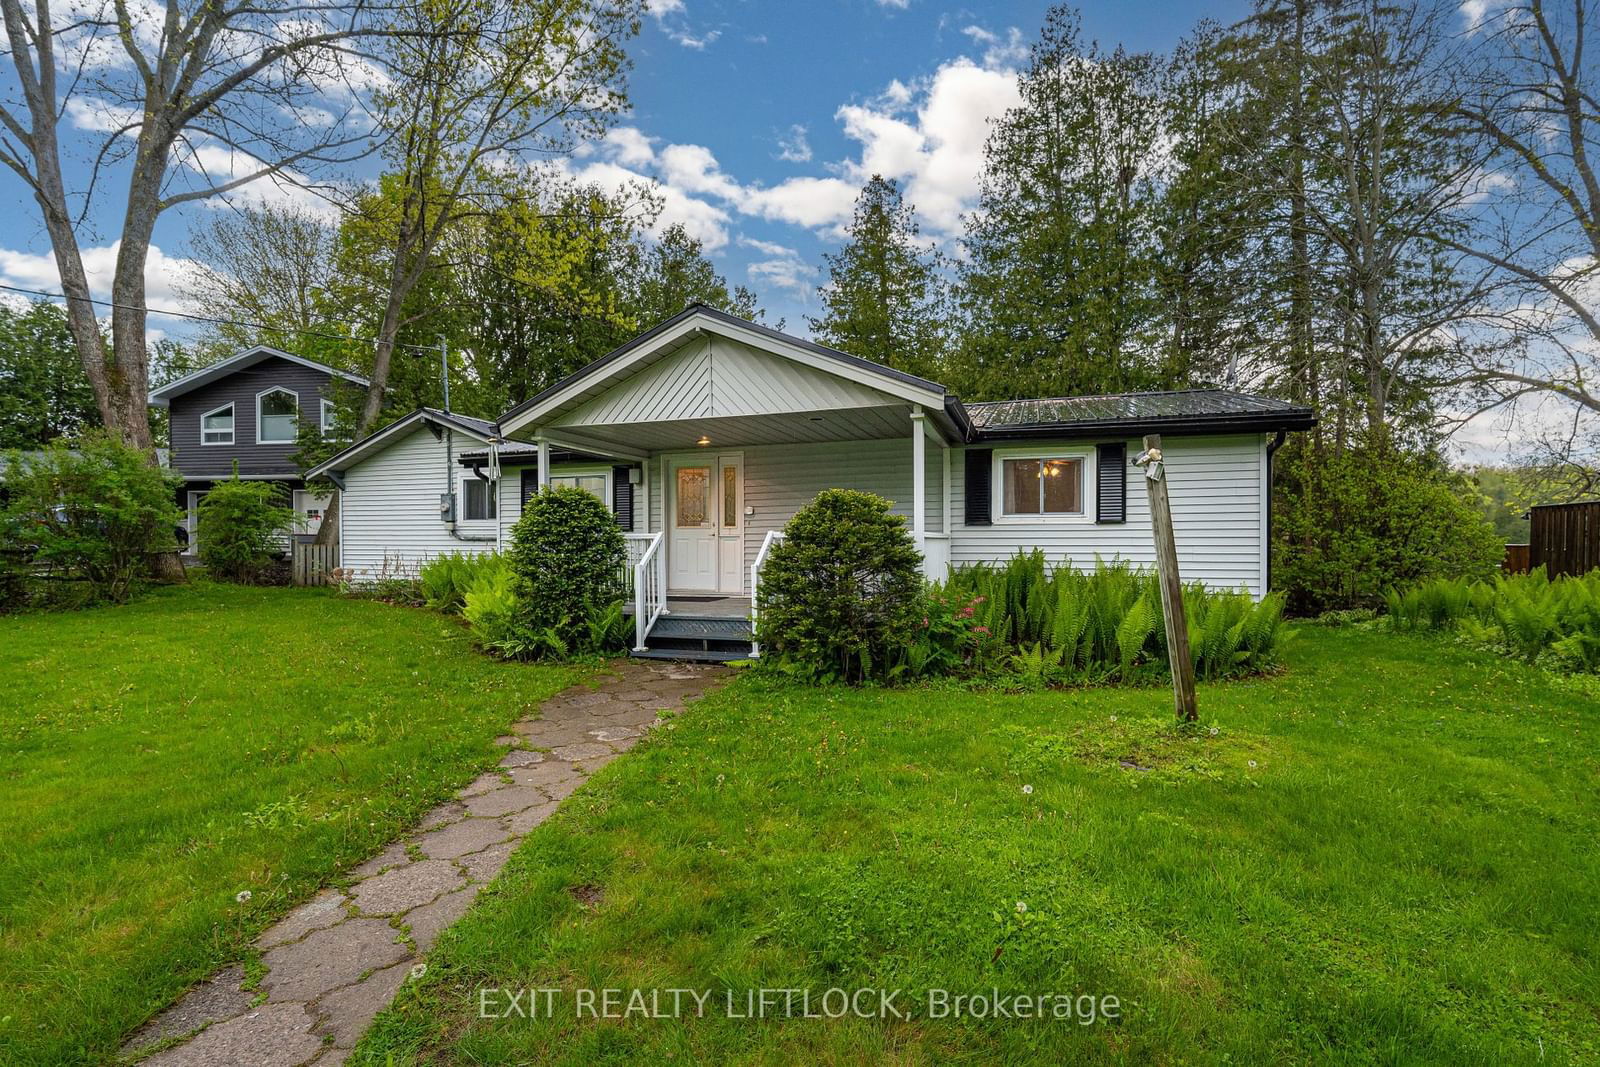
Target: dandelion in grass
x=1215, y=731
x=1022, y=906
x=1252, y=763
x=419, y=970
x=1113, y=718
x=243, y=896
x=1027, y=790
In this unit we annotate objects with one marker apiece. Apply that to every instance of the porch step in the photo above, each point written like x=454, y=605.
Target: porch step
x=704, y=655
x=703, y=638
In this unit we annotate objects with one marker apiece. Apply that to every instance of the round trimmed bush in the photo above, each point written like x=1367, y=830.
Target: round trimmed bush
x=568, y=553
x=841, y=594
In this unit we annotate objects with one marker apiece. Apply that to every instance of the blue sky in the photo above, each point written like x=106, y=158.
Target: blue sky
x=760, y=121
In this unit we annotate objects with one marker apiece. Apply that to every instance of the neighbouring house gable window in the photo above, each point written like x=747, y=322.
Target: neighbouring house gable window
x=216, y=427
x=590, y=483
x=478, y=499
x=1041, y=485
x=277, y=417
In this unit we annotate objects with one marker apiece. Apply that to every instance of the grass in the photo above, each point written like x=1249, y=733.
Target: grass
x=1386, y=853
x=159, y=758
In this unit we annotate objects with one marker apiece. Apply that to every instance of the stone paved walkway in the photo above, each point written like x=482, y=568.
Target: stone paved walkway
x=336, y=961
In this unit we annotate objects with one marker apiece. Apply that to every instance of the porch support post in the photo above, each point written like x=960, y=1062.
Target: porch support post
x=644, y=492
x=944, y=525
x=544, y=463
x=919, y=480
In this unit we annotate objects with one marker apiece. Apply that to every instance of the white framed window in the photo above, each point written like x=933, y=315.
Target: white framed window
x=216, y=426
x=596, y=482
x=330, y=418
x=277, y=417
x=477, y=499
x=1041, y=486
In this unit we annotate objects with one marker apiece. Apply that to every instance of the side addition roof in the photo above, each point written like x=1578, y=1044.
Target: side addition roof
x=1176, y=411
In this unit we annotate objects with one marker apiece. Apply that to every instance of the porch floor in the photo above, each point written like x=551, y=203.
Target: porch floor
x=722, y=607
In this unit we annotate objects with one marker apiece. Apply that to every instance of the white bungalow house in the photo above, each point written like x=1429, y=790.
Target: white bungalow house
x=705, y=434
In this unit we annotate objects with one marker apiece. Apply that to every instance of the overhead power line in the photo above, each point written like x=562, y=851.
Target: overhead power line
x=215, y=321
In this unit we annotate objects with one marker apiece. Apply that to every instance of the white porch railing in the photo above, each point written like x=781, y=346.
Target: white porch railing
x=772, y=538
x=936, y=556
x=645, y=576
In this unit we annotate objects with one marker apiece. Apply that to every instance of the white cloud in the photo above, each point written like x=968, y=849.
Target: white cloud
x=767, y=248
x=790, y=274
x=703, y=221
x=672, y=19
x=217, y=164
x=163, y=274
x=810, y=202
x=1477, y=13
x=793, y=147
x=930, y=136
x=1000, y=50
x=629, y=146
x=694, y=169
x=899, y=5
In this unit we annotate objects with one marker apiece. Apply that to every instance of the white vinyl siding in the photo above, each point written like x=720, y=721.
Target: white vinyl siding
x=1217, y=497
x=390, y=507
x=1214, y=483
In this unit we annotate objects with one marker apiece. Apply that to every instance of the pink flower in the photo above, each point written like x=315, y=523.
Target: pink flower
x=980, y=629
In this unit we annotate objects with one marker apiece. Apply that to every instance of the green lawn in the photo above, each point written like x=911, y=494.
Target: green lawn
x=1388, y=853
x=158, y=759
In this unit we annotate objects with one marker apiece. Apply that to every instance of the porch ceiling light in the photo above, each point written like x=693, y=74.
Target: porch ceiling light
x=704, y=440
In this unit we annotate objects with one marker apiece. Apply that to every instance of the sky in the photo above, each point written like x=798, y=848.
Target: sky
x=759, y=120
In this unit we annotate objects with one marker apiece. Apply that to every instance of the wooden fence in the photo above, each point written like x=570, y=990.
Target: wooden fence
x=1564, y=538
x=1516, y=561
x=313, y=564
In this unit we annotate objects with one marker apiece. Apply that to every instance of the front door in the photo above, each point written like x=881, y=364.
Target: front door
x=705, y=544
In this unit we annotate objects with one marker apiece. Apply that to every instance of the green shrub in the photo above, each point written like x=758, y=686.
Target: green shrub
x=1349, y=526
x=241, y=529
x=96, y=510
x=13, y=566
x=445, y=579
x=567, y=555
x=842, y=593
x=1067, y=626
x=1527, y=615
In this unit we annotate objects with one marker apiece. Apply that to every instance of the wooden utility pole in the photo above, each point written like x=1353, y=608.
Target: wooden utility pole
x=1155, y=483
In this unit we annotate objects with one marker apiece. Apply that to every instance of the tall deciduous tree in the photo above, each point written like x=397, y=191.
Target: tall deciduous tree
x=885, y=298
x=481, y=91
x=1058, y=286
x=1530, y=110
x=190, y=101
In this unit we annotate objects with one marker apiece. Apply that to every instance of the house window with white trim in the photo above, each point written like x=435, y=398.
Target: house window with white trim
x=477, y=499
x=216, y=427
x=1041, y=486
x=595, y=484
x=329, y=420
x=277, y=417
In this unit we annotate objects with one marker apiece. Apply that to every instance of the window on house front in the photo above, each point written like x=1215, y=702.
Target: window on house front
x=477, y=499
x=1042, y=485
x=277, y=417
x=216, y=427
x=589, y=483
x=330, y=419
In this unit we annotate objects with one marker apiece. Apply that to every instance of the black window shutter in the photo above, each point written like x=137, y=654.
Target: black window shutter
x=1111, y=503
x=622, y=496
x=979, y=500
x=530, y=484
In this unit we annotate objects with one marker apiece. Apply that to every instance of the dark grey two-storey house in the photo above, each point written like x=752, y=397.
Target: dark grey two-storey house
x=249, y=407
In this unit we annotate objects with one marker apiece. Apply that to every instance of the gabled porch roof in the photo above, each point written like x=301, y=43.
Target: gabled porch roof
x=707, y=374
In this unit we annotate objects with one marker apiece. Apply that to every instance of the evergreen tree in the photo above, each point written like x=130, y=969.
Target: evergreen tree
x=1059, y=284
x=672, y=272
x=885, y=297
x=44, y=394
